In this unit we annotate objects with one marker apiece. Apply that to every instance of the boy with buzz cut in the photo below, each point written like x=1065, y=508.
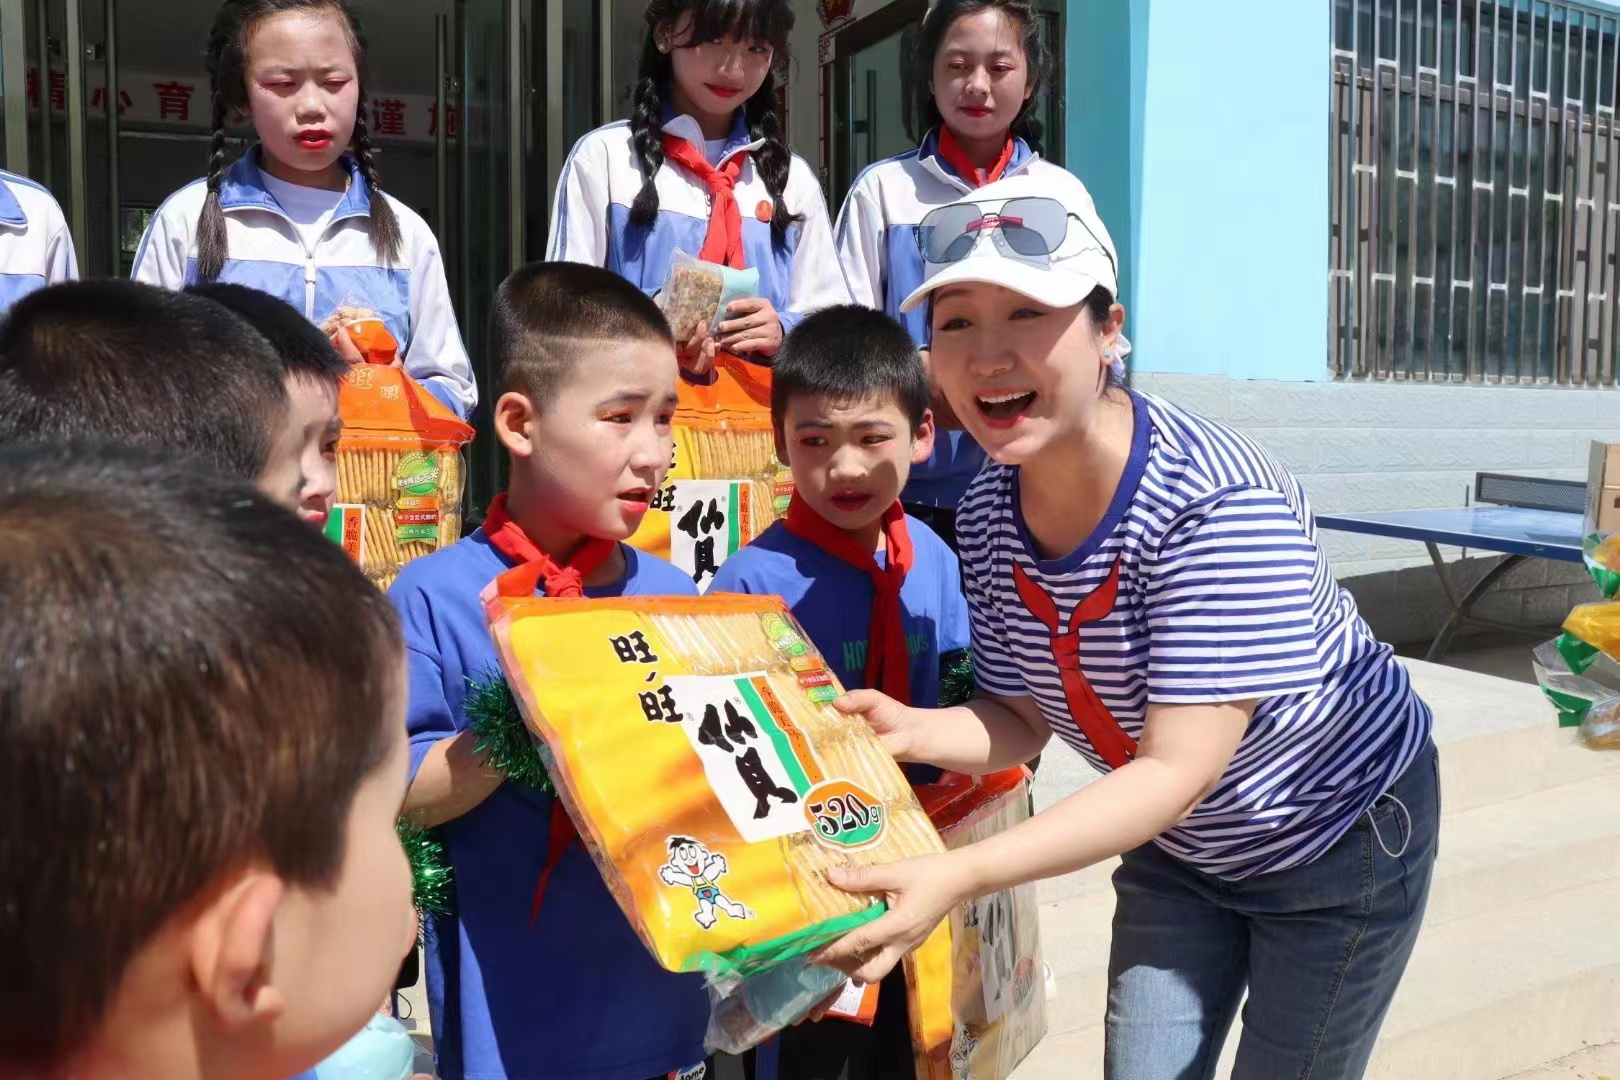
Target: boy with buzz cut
x=115, y=361
x=199, y=776
x=537, y=975
x=849, y=401
x=312, y=370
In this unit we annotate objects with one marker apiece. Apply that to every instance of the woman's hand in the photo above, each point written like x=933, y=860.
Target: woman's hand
x=697, y=354
x=920, y=892
x=753, y=327
x=894, y=724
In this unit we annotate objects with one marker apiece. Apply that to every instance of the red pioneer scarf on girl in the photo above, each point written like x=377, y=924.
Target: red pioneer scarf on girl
x=561, y=582
x=888, y=660
x=957, y=159
x=724, y=242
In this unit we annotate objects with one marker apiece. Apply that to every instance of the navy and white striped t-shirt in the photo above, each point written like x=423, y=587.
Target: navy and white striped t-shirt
x=1223, y=596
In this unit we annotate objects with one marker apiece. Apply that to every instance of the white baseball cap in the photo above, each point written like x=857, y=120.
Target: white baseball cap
x=1036, y=235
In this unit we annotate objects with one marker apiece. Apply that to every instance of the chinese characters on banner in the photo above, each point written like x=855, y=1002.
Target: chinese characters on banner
x=149, y=97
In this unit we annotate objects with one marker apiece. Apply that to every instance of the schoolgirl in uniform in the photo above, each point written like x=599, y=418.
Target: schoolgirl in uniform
x=36, y=249
x=986, y=63
x=299, y=216
x=702, y=167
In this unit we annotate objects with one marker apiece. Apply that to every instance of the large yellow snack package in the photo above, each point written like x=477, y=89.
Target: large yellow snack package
x=693, y=742
x=976, y=989
x=724, y=486
x=399, y=474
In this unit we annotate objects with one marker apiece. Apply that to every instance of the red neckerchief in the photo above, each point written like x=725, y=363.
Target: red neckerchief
x=957, y=159
x=723, y=243
x=888, y=660
x=1090, y=715
x=563, y=582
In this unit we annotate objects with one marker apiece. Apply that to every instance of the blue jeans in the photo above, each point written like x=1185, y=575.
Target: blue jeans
x=1320, y=949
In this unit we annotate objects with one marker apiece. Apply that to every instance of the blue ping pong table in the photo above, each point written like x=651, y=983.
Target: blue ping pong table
x=1519, y=532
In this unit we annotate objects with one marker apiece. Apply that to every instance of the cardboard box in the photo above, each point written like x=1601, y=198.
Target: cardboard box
x=1603, y=488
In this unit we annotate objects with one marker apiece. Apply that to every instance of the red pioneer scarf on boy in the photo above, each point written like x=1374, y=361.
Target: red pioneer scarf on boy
x=724, y=241
x=561, y=582
x=957, y=159
x=888, y=659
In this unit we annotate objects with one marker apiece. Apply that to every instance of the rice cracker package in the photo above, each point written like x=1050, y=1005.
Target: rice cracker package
x=724, y=486
x=976, y=988
x=399, y=474
x=694, y=744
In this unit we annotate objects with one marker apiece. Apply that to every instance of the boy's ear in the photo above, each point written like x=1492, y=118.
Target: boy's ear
x=781, y=444
x=514, y=421
x=922, y=440
x=232, y=946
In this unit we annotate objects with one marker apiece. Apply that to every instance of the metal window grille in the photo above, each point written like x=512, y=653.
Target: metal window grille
x=1475, y=192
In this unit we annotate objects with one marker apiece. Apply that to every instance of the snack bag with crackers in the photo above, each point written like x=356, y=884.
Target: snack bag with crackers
x=694, y=745
x=724, y=484
x=399, y=471
x=975, y=988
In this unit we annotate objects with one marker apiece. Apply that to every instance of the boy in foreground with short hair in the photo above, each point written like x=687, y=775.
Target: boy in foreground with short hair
x=849, y=401
x=312, y=370
x=114, y=361
x=538, y=973
x=200, y=776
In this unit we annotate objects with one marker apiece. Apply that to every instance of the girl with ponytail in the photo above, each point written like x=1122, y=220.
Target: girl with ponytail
x=985, y=64
x=702, y=166
x=302, y=215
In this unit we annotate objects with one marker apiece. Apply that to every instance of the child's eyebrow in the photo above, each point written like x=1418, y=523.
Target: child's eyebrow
x=826, y=425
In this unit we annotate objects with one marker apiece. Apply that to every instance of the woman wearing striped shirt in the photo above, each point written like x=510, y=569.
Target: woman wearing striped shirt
x=1147, y=584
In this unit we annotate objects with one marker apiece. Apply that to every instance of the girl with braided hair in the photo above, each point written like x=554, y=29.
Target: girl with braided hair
x=702, y=166
x=302, y=215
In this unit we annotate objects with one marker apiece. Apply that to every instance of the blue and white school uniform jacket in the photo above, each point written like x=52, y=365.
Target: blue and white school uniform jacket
x=36, y=248
x=345, y=267
x=877, y=247
x=590, y=222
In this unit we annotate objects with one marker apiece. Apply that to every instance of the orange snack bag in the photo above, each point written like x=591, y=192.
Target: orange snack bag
x=976, y=993
x=400, y=477
x=694, y=744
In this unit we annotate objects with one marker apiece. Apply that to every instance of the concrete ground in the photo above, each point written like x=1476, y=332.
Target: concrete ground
x=1593, y=1063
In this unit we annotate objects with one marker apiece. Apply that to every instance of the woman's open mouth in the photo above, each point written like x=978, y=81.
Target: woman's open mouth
x=1005, y=408
x=314, y=139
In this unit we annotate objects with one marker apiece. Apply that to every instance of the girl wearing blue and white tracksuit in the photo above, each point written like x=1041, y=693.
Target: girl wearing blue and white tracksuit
x=694, y=171
x=36, y=249
x=987, y=62
x=299, y=216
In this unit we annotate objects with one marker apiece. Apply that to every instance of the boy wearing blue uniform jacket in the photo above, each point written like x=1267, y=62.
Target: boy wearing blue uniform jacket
x=537, y=973
x=36, y=248
x=302, y=215
x=849, y=400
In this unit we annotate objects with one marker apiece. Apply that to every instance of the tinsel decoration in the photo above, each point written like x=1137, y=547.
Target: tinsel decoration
x=430, y=870
x=503, y=739
x=956, y=685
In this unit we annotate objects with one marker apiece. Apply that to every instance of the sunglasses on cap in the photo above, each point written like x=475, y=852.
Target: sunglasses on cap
x=1032, y=227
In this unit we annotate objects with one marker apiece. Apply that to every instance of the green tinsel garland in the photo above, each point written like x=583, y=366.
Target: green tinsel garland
x=956, y=685
x=503, y=739
x=430, y=872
